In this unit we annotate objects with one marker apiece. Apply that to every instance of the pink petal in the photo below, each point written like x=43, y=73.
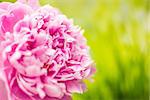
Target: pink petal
x=17, y=93
x=34, y=70
x=3, y=91
x=53, y=90
x=4, y=5
x=75, y=86
x=33, y=3
x=66, y=97
x=16, y=13
x=20, y=25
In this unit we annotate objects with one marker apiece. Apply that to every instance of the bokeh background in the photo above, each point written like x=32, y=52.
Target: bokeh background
x=119, y=36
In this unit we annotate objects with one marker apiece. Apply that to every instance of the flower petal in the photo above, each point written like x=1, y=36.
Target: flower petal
x=53, y=90
x=3, y=91
x=75, y=86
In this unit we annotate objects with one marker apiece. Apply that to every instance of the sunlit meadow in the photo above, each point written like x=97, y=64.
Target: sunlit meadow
x=119, y=36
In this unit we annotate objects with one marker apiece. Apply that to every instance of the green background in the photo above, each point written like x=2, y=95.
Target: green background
x=118, y=34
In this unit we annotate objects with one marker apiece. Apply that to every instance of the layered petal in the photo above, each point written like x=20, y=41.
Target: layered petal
x=43, y=55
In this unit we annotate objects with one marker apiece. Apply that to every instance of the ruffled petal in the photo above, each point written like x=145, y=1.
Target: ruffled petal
x=75, y=86
x=53, y=90
x=3, y=91
x=4, y=5
x=16, y=13
x=17, y=93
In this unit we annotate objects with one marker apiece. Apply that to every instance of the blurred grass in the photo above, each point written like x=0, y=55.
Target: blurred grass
x=119, y=36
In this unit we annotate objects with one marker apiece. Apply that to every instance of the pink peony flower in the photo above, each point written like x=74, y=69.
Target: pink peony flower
x=43, y=56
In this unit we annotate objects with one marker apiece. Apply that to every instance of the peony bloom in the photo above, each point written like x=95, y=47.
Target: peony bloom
x=43, y=56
